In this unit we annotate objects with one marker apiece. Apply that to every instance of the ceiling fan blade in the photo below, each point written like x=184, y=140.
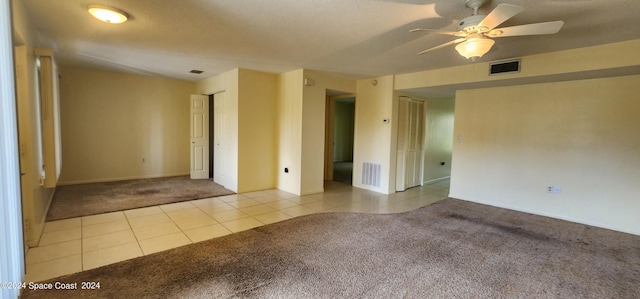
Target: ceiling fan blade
x=529, y=29
x=500, y=14
x=454, y=33
x=453, y=42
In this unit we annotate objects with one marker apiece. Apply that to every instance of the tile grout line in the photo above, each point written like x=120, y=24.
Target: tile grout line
x=165, y=214
x=208, y=215
x=180, y=228
x=133, y=232
x=82, y=252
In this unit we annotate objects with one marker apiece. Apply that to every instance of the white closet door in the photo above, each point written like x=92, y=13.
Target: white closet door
x=410, y=139
x=199, y=137
x=220, y=110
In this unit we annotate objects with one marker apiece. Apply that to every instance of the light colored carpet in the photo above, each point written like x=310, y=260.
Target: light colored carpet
x=451, y=249
x=71, y=201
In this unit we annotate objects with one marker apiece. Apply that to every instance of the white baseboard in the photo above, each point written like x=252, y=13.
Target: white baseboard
x=436, y=180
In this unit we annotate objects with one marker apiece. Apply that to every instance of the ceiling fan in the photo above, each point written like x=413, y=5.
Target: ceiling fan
x=476, y=32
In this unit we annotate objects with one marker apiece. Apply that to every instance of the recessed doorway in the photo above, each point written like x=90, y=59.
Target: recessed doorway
x=339, y=138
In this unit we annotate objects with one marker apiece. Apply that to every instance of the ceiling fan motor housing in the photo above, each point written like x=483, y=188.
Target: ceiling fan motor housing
x=474, y=4
x=468, y=24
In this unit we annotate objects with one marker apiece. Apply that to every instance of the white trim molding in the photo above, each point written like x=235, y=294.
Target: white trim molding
x=12, y=267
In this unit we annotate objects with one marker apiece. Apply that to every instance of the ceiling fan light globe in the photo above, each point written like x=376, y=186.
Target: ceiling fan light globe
x=474, y=47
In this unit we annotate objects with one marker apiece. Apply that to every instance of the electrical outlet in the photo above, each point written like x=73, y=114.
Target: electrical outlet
x=554, y=189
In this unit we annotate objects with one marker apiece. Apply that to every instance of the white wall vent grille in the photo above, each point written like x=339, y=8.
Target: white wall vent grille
x=371, y=173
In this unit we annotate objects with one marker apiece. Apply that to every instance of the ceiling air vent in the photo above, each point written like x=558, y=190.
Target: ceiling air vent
x=504, y=67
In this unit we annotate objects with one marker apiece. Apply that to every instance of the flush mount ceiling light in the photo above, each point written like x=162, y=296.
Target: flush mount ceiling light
x=108, y=14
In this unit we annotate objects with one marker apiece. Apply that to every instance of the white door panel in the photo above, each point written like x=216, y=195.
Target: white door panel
x=409, y=146
x=199, y=137
x=220, y=108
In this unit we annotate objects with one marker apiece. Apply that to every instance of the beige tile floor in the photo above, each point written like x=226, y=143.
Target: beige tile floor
x=77, y=244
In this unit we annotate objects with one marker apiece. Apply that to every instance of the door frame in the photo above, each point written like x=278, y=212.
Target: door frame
x=328, y=132
x=12, y=259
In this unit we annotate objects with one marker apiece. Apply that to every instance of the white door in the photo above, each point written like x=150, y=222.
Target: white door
x=403, y=118
x=219, y=129
x=409, y=146
x=199, y=137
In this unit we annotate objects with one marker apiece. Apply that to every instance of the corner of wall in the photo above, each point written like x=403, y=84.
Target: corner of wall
x=257, y=142
x=289, y=130
x=374, y=123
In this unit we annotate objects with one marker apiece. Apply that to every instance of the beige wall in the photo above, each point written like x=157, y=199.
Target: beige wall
x=313, y=126
x=512, y=142
x=225, y=87
x=438, y=139
x=35, y=198
x=289, y=126
x=517, y=138
x=375, y=140
x=216, y=84
x=301, y=128
x=118, y=126
x=257, y=162
x=278, y=123
x=250, y=127
x=548, y=67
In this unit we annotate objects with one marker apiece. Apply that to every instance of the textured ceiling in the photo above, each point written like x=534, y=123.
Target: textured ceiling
x=351, y=38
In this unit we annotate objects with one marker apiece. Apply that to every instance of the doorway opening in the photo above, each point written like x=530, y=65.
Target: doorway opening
x=424, y=141
x=339, y=138
x=207, y=112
